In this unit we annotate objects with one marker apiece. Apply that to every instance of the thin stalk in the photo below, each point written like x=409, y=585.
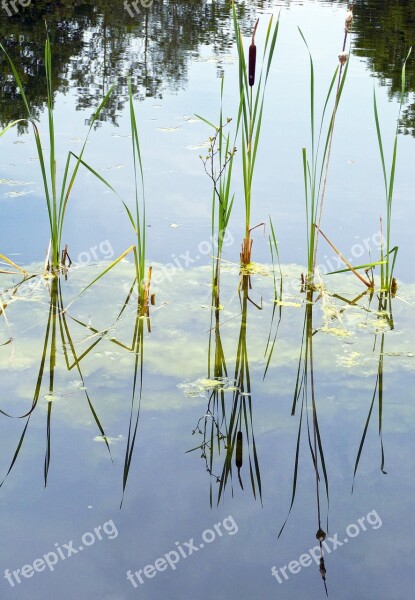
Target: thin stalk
x=343, y=58
x=389, y=182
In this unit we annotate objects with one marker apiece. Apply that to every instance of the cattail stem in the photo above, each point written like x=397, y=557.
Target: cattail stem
x=348, y=22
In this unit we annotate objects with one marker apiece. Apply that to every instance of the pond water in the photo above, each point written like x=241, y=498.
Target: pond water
x=195, y=450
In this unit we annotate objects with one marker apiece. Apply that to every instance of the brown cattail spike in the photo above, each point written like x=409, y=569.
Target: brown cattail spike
x=322, y=568
x=252, y=62
x=238, y=456
x=343, y=58
x=252, y=58
x=349, y=19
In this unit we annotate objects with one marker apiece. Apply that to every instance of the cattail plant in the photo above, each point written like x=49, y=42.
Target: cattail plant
x=218, y=165
x=137, y=218
x=252, y=58
x=56, y=198
x=315, y=168
x=250, y=113
x=388, y=254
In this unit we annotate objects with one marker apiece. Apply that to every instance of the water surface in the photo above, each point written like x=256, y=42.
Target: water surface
x=105, y=389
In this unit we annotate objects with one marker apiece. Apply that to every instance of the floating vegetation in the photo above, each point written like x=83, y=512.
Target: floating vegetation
x=13, y=182
x=288, y=303
x=109, y=439
x=351, y=360
x=18, y=194
x=198, y=388
x=336, y=331
x=252, y=268
x=168, y=129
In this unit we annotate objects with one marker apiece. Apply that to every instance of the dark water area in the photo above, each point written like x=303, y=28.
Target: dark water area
x=235, y=433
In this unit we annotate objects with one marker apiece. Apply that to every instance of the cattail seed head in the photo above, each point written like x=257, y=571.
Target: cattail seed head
x=252, y=64
x=238, y=454
x=252, y=58
x=349, y=19
x=343, y=56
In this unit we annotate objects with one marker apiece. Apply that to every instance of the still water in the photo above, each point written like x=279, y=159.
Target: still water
x=158, y=457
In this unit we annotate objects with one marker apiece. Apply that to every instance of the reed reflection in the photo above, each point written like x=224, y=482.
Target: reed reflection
x=304, y=407
x=58, y=342
x=228, y=437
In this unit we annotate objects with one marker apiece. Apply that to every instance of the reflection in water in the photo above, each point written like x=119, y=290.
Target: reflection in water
x=97, y=43
x=305, y=399
x=58, y=340
x=385, y=319
x=137, y=348
x=383, y=34
x=141, y=318
x=225, y=431
x=57, y=335
x=241, y=417
x=304, y=393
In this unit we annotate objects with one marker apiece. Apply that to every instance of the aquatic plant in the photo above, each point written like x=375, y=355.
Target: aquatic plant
x=56, y=197
x=251, y=112
x=137, y=218
x=240, y=422
x=315, y=168
x=343, y=59
x=218, y=165
x=273, y=245
x=388, y=254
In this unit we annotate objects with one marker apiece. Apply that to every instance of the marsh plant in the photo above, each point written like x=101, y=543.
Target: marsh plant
x=57, y=194
x=218, y=165
x=252, y=97
x=388, y=253
x=316, y=162
x=137, y=218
